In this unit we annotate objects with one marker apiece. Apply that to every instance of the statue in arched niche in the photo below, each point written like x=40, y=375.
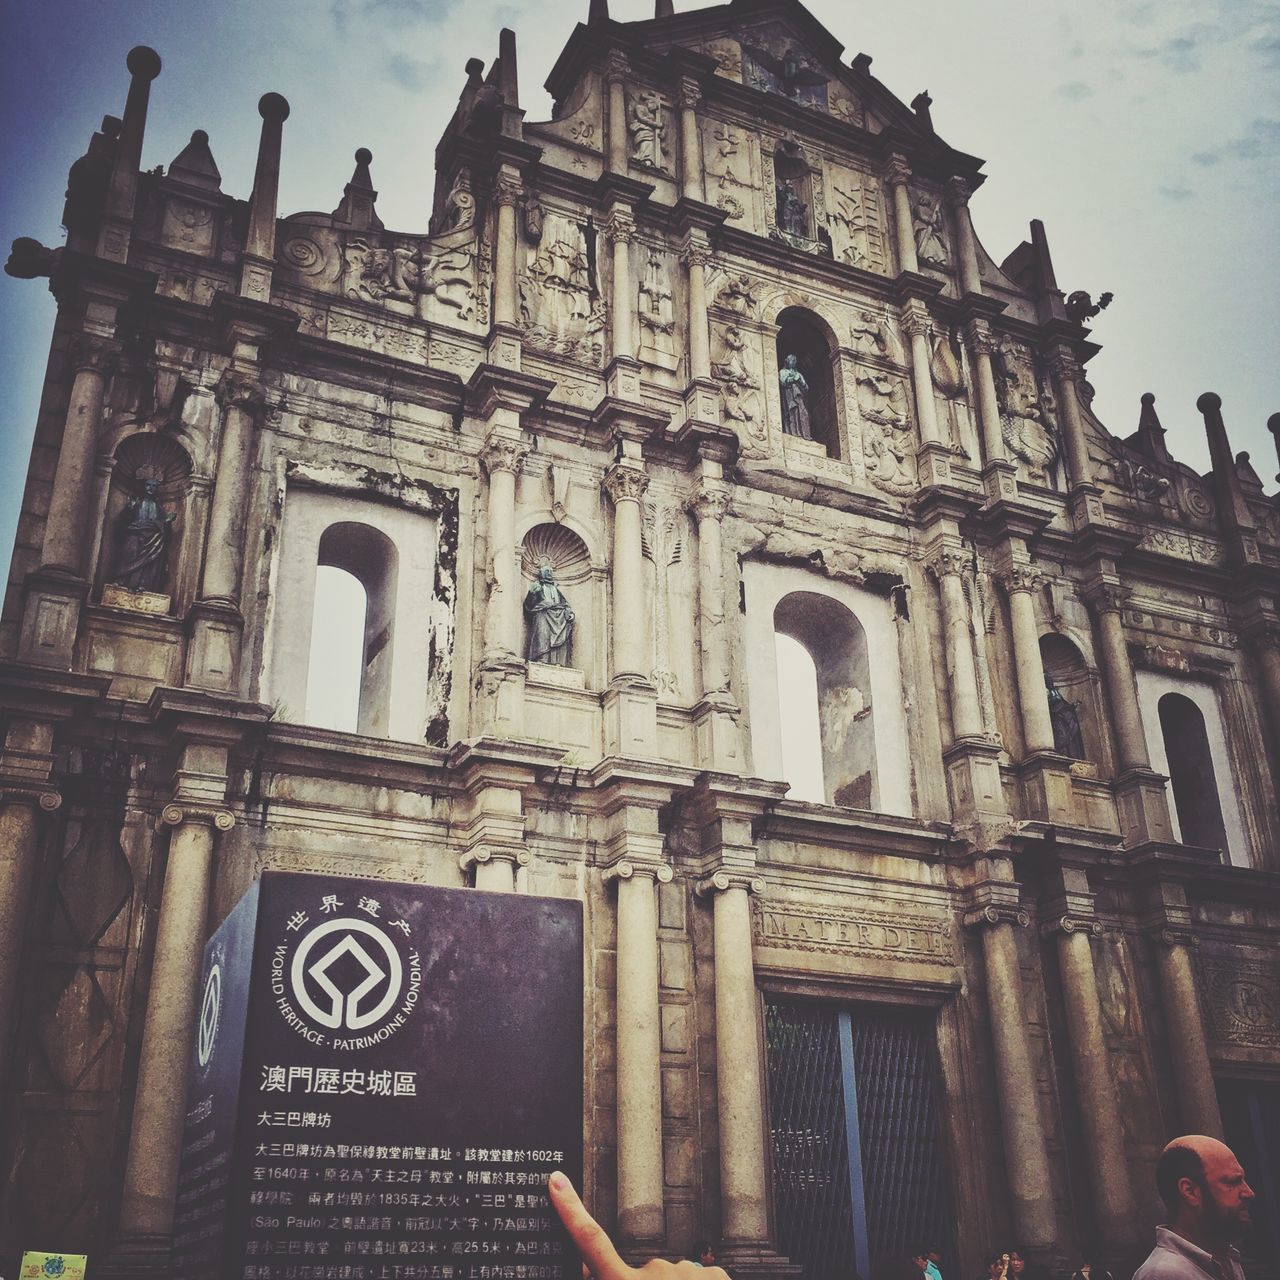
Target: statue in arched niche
x=792, y=212
x=795, y=407
x=550, y=620
x=1065, y=718
x=139, y=562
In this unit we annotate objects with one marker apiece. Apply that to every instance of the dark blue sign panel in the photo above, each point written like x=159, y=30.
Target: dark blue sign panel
x=383, y=1076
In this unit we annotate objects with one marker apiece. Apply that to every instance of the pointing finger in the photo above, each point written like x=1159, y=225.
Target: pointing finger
x=588, y=1235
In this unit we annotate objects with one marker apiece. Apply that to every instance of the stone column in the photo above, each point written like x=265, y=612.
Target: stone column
x=709, y=504
x=950, y=567
x=506, y=194
x=1097, y=1104
x=616, y=71
x=697, y=254
x=981, y=348
x=739, y=1082
x=897, y=174
x=1108, y=600
x=916, y=323
x=25, y=793
x=242, y=399
x=690, y=142
x=502, y=457
x=1026, y=1156
x=619, y=230
x=1022, y=583
x=639, y=1087
x=1189, y=1050
x=65, y=534
x=155, y=1139
x=1066, y=376
x=970, y=276
x=625, y=483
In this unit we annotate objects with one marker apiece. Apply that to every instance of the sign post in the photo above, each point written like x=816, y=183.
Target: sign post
x=382, y=1078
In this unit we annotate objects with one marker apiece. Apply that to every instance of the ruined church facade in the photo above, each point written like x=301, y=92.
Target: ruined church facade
x=709, y=368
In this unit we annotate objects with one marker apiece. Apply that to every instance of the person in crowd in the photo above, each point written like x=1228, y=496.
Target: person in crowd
x=997, y=1265
x=1207, y=1197
x=703, y=1254
x=1091, y=1269
x=927, y=1260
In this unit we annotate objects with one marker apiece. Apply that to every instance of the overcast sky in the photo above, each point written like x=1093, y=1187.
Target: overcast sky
x=1146, y=136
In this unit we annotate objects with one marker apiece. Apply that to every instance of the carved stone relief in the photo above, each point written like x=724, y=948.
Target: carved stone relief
x=856, y=220
x=647, y=128
x=774, y=63
x=1241, y=1001
x=662, y=539
x=741, y=295
x=1026, y=412
x=876, y=334
x=931, y=232
x=656, y=313
x=728, y=57
x=729, y=170
x=888, y=438
x=560, y=304
x=735, y=365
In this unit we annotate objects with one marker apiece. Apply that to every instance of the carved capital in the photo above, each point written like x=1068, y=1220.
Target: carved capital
x=38, y=797
x=708, y=501
x=1064, y=366
x=503, y=455
x=960, y=191
x=625, y=482
x=620, y=226
x=695, y=250
x=916, y=320
x=1170, y=935
x=617, y=67
x=626, y=868
x=518, y=857
x=239, y=391
x=689, y=93
x=1071, y=924
x=174, y=815
x=997, y=913
x=725, y=879
x=1107, y=597
x=979, y=338
x=93, y=353
x=948, y=562
x=507, y=191
x=1021, y=577
x=898, y=170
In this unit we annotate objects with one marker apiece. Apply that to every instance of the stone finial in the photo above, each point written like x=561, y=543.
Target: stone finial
x=664, y=9
x=920, y=104
x=861, y=63
x=113, y=241
x=194, y=165
x=358, y=197
x=598, y=13
x=508, y=77
x=1273, y=425
x=260, y=242
x=1150, y=432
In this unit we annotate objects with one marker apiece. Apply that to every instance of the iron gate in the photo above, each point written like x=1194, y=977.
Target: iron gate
x=858, y=1171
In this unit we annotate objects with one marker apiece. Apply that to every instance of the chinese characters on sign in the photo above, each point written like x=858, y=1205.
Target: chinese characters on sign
x=379, y=1089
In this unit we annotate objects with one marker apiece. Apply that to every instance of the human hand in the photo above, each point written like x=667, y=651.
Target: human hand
x=600, y=1260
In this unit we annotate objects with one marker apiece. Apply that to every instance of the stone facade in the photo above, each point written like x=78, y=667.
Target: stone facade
x=577, y=366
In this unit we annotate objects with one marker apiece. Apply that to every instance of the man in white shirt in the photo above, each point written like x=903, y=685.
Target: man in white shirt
x=1204, y=1189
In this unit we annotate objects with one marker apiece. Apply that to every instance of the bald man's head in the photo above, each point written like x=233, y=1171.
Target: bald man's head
x=1204, y=1188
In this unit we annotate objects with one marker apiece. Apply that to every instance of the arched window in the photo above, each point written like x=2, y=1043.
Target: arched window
x=833, y=639
x=369, y=557
x=808, y=403
x=1191, y=774
x=799, y=718
x=337, y=650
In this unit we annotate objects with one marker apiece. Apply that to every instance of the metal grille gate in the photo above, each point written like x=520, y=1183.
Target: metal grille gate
x=857, y=1167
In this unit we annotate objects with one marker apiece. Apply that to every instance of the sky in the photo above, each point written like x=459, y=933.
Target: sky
x=1146, y=136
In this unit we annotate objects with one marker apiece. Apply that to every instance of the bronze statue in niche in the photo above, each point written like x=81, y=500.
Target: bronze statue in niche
x=795, y=406
x=550, y=621
x=139, y=562
x=1065, y=718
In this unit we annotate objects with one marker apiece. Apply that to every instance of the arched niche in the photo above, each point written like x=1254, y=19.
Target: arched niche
x=1191, y=773
x=370, y=557
x=805, y=337
x=1072, y=694
x=793, y=192
x=553, y=549
x=837, y=644
x=145, y=522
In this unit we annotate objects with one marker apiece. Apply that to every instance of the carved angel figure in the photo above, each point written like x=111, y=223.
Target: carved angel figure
x=648, y=133
x=736, y=377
